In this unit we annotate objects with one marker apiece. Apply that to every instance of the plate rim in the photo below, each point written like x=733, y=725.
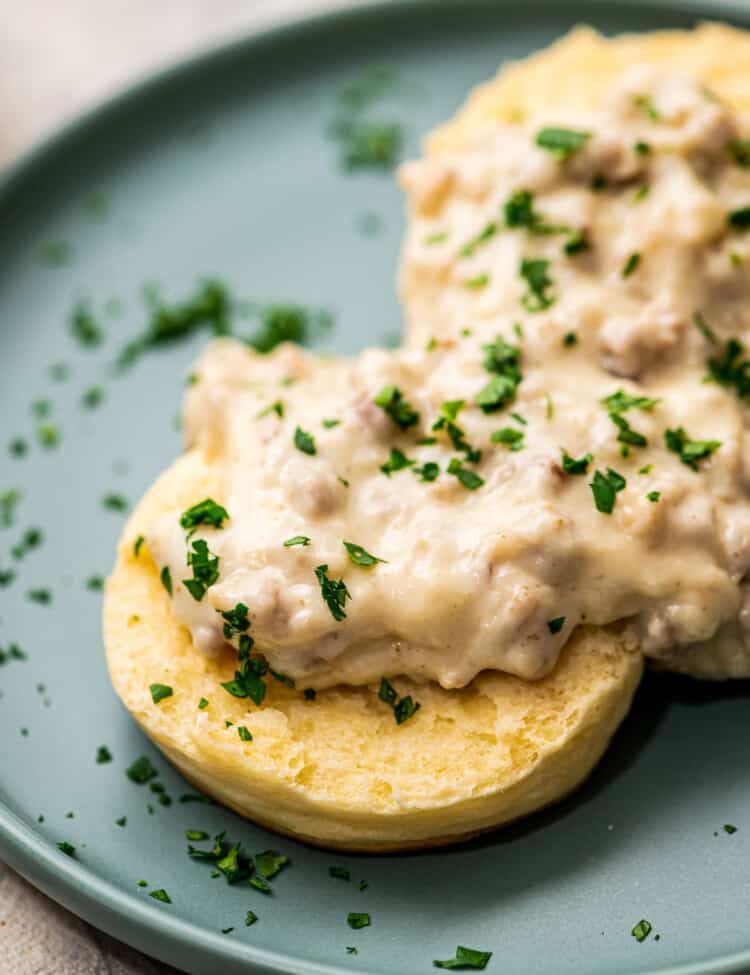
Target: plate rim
x=73, y=885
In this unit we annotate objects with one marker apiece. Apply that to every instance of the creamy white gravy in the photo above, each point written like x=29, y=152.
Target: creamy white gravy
x=499, y=575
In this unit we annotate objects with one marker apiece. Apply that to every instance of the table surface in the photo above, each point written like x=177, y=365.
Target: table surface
x=57, y=59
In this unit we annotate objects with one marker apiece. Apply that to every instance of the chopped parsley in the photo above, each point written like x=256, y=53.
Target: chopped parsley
x=466, y=958
x=248, y=679
x=729, y=828
x=49, y=435
x=534, y=273
x=304, y=441
x=730, y=369
x=115, y=502
x=137, y=545
x=95, y=583
x=356, y=920
x=84, y=327
x=159, y=692
x=334, y=593
x=18, y=447
x=620, y=402
x=646, y=104
x=642, y=148
x=360, y=556
x=210, y=307
x=166, y=579
x=556, y=624
x=250, y=918
x=740, y=219
x=160, y=895
x=436, y=237
x=626, y=433
x=653, y=495
x=9, y=501
x=631, y=264
x=571, y=465
x=205, y=570
x=478, y=282
x=447, y=421
x=260, y=884
x=428, y=471
x=141, y=771
x=367, y=145
x=67, y=848
x=467, y=478
x=570, y=339
x=103, y=755
x=92, y=397
x=510, y=437
x=576, y=243
x=203, y=704
x=227, y=930
x=227, y=858
x=310, y=693
x=562, y=143
x=277, y=408
x=641, y=930
x=55, y=253
x=270, y=863
x=235, y=620
x=739, y=149
x=297, y=540
x=391, y=400
x=288, y=323
x=704, y=328
x=396, y=462
x=244, y=733
x=206, y=512
x=484, y=235
x=403, y=707
x=43, y=597
x=340, y=873
x=691, y=452
x=605, y=488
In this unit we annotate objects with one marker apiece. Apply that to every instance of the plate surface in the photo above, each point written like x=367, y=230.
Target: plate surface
x=225, y=166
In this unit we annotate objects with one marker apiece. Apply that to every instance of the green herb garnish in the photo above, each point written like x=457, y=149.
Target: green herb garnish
x=356, y=920
x=115, y=502
x=740, y=219
x=67, y=848
x=572, y=466
x=562, y=143
x=391, y=400
x=653, y=495
x=244, y=733
x=160, y=895
x=641, y=930
x=206, y=512
x=141, y=771
x=166, y=579
x=270, y=863
x=205, y=570
x=396, y=462
x=510, y=437
x=428, y=471
x=484, y=235
x=159, y=692
x=334, y=593
x=297, y=540
x=360, y=556
x=631, y=264
x=250, y=918
x=466, y=958
x=730, y=369
x=340, y=873
x=403, y=707
x=704, y=328
x=691, y=452
x=137, y=545
x=534, y=273
x=235, y=620
x=304, y=441
x=478, y=282
x=84, y=327
x=467, y=478
x=103, y=755
x=556, y=624
x=605, y=488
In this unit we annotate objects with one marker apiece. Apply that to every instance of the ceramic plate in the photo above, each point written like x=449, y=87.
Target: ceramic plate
x=226, y=167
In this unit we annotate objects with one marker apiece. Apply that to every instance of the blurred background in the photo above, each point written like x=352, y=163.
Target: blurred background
x=59, y=56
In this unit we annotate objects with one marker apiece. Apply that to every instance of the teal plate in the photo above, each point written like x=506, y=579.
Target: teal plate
x=225, y=166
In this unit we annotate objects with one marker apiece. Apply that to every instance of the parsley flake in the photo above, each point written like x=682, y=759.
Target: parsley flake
x=605, y=488
x=302, y=540
x=250, y=918
x=205, y=570
x=690, y=452
x=269, y=863
x=509, y=437
x=141, y=771
x=653, y=495
x=166, y=579
x=631, y=264
x=466, y=958
x=160, y=895
x=304, y=441
x=562, y=143
x=428, y=471
x=740, y=219
x=641, y=930
x=137, y=545
x=534, y=273
x=360, y=556
x=571, y=465
x=730, y=369
x=334, y=593
x=244, y=733
x=356, y=920
x=556, y=624
x=391, y=400
x=340, y=873
x=103, y=755
x=67, y=848
x=159, y=692
x=467, y=478
x=403, y=707
x=396, y=462
x=206, y=512
x=488, y=231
